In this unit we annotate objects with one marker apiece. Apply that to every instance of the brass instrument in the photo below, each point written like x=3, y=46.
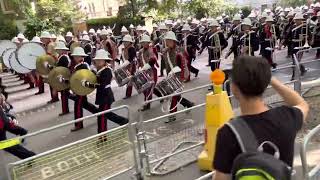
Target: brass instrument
x=44, y=64
x=216, y=45
x=79, y=81
x=301, y=36
x=244, y=49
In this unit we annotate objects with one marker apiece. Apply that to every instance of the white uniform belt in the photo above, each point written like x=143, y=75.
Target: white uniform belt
x=107, y=86
x=296, y=40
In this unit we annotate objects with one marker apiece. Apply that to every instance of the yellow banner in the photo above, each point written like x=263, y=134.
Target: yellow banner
x=9, y=143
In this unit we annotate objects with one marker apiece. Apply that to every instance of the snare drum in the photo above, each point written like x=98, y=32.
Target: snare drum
x=143, y=80
x=170, y=85
x=123, y=75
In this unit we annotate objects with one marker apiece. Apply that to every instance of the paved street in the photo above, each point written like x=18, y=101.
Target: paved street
x=34, y=114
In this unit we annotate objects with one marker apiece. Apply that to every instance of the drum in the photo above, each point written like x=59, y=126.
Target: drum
x=28, y=53
x=170, y=85
x=16, y=66
x=123, y=75
x=6, y=44
x=143, y=80
x=6, y=56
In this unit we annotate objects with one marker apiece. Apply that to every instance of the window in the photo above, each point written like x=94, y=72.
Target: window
x=109, y=13
x=7, y=6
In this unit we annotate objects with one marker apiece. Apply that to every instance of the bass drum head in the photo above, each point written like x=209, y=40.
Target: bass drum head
x=16, y=66
x=28, y=53
x=6, y=56
x=6, y=44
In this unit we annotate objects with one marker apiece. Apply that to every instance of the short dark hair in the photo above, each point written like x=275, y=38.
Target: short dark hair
x=251, y=75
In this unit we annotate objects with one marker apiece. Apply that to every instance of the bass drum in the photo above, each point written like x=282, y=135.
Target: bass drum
x=28, y=53
x=16, y=66
x=6, y=56
x=6, y=44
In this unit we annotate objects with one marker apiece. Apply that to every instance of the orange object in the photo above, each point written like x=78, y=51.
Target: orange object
x=217, y=77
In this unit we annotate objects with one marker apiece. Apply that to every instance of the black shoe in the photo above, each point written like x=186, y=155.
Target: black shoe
x=30, y=87
x=146, y=107
x=52, y=101
x=38, y=93
x=76, y=129
x=126, y=97
x=161, y=75
x=274, y=65
x=208, y=65
x=196, y=74
x=171, y=119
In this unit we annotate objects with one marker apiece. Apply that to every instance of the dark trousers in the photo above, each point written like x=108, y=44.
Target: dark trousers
x=40, y=85
x=20, y=152
x=302, y=68
x=129, y=86
x=54, y=94
x=174, y=102
x=64, y=101
x=191, y=68
x=79, y=103
x=102, y=119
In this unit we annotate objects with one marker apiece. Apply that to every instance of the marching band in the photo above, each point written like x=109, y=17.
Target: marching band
x=171, y=47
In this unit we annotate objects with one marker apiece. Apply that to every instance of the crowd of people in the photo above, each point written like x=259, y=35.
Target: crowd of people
x=176, y=43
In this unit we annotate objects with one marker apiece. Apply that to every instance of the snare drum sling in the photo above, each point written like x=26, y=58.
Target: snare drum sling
x=171, y=60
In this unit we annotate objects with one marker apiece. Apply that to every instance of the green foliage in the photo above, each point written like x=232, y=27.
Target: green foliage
x=117, y=21
x=51, y=15
x=246, y=10
x=292, y=3
x=8, y=28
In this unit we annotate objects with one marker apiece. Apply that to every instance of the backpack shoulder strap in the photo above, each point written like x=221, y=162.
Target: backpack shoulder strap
x=245, y=136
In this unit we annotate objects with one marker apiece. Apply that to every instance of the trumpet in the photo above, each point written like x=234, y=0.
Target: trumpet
x=216, y=45
x=243, y=48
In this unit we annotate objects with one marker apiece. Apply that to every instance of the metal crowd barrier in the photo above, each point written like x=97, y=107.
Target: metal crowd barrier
x=177, y=142
x=206, y=176
x=100, y=156
x=314, y=173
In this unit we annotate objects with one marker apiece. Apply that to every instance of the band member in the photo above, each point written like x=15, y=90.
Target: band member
x=174, y=58
x=133, y=32
x=110, y=46
x=163, y=30
x=234, y=32
x=104, y=95
x=63, y=61
x=147, y=60
x=268, y=41
x=155, y=38
x=248, y=41
x=190, y=45
x=129, y=56
x=297, y=35
x=46, y=40
x=215, y=42
x=286, y=41
x=316, y=36
x=86, y=44
x=80, y=101
x=9, y=123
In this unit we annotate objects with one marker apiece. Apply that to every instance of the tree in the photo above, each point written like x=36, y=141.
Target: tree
x=54, y=16
x=292, y=3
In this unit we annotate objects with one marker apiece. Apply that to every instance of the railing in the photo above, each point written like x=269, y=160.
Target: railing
x=314, y=173
x=104, y=155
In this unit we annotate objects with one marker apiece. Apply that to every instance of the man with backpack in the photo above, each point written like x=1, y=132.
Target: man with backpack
x=259, y=144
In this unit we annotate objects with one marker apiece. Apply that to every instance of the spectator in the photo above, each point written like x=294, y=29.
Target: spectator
x=250, y=78
x=9, y=123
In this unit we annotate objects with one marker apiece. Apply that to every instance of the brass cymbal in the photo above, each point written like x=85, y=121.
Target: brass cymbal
x=77, y=79
x=56, y=74
x=43, y=62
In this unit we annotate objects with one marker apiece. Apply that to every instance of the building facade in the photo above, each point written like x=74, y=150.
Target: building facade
x=100, y=8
